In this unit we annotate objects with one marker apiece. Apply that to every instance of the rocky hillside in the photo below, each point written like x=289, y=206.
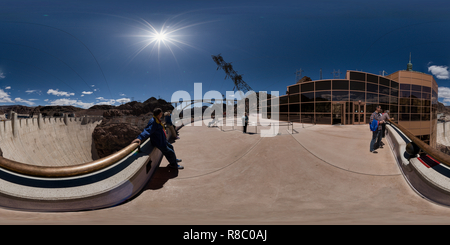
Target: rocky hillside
x=122, y=124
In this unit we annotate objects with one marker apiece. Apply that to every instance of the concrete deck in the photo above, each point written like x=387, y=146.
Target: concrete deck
x=320, y=175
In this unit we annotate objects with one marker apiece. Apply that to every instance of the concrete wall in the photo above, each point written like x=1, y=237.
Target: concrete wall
x=49, y=141
x=443, y=133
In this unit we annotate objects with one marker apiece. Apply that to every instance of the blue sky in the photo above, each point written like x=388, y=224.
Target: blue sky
x=84, y=53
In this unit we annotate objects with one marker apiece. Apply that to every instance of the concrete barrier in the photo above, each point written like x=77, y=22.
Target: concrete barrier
x=45, y=142
x=431, y=183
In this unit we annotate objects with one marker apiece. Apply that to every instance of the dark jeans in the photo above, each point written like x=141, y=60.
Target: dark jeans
x=245, y=127
x=376, y=139
x=169, y=153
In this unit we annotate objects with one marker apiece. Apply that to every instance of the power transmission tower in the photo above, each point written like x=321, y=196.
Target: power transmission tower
x=336, y=74
x=239, y=84
x=320, y=74
x=298, y=75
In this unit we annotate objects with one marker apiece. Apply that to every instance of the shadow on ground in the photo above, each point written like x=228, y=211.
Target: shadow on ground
x=160, y=177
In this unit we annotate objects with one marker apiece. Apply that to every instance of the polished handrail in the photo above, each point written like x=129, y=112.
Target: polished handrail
x=66, y=171
x=436, y=154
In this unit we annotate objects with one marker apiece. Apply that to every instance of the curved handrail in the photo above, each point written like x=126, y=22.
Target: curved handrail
x=436, y=154
x=66, y=171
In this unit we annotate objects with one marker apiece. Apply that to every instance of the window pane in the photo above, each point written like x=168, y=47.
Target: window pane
x=394, y=85
x=307, y=107
x=283, y=100
x=415, y=94
x=357, y=76
x=307, y=118
x=394, y=92
x=323, y=107
x=294, y=98
x=405, y=101
x=393, y=100
x=405, y=94
x=340, y=84
x=405, y=109
x=307, y=97
x=417, y=88
x=425, y=117
x=372, y=78
x=361, y=86
x=404, y=117
x=294, y=107
x=393, y=109
x=416, y=102
x=384, y=90
x=323, y=85
x=405, y=87
x=415, y=117
x=384, y=81
x=294, y=89
x=384, y=98
x=426, y=89
x=323, y=96
x=371, y=107
x=323, y=118
x=307, y=87
x=373, y=88
x=356, y=96
x=284, y=108
x=372, y=98
x=340, y=95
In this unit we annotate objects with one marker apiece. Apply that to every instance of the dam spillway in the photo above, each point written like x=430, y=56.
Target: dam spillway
x=50, y=165
x=49, y=141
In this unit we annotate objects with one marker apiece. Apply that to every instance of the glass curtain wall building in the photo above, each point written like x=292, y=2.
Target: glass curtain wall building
x=411, y=98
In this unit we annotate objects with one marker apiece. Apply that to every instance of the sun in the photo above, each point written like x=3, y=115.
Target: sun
x=156, y=39
x=160, y=37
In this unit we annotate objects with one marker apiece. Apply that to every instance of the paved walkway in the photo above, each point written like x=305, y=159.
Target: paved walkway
x=320, y=175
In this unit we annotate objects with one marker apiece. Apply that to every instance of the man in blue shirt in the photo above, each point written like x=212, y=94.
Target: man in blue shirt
x=376, y=135
x=158, y=138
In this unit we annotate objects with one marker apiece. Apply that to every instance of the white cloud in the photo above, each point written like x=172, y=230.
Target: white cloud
x=8, y=87
x=4, y=97
x=105, y=101
x=77, y=103
x=87, y=92
x=30, y=91
x=59, y=93
x=444, y=95
x=123, y=100
x=23, y=101
x=441, y=72
x=1, y=75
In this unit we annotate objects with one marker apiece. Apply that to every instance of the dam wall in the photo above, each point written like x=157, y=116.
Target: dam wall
x=443, y=133
x=51, y=141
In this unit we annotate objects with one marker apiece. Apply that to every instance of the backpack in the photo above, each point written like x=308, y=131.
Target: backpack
x=374, y=126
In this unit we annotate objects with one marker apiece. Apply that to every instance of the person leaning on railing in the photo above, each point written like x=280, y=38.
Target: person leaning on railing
x=376, y=135
x=158, y=138
x=385, y=118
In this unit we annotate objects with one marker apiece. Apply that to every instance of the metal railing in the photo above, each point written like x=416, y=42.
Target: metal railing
x=66, y=171
x=436, y=154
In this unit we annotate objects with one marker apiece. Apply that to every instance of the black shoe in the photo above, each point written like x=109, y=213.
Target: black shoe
x=374, y=151
x=177, y=167
x=179, y=160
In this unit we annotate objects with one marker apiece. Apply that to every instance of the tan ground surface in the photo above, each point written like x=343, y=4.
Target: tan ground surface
x=321, y=175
